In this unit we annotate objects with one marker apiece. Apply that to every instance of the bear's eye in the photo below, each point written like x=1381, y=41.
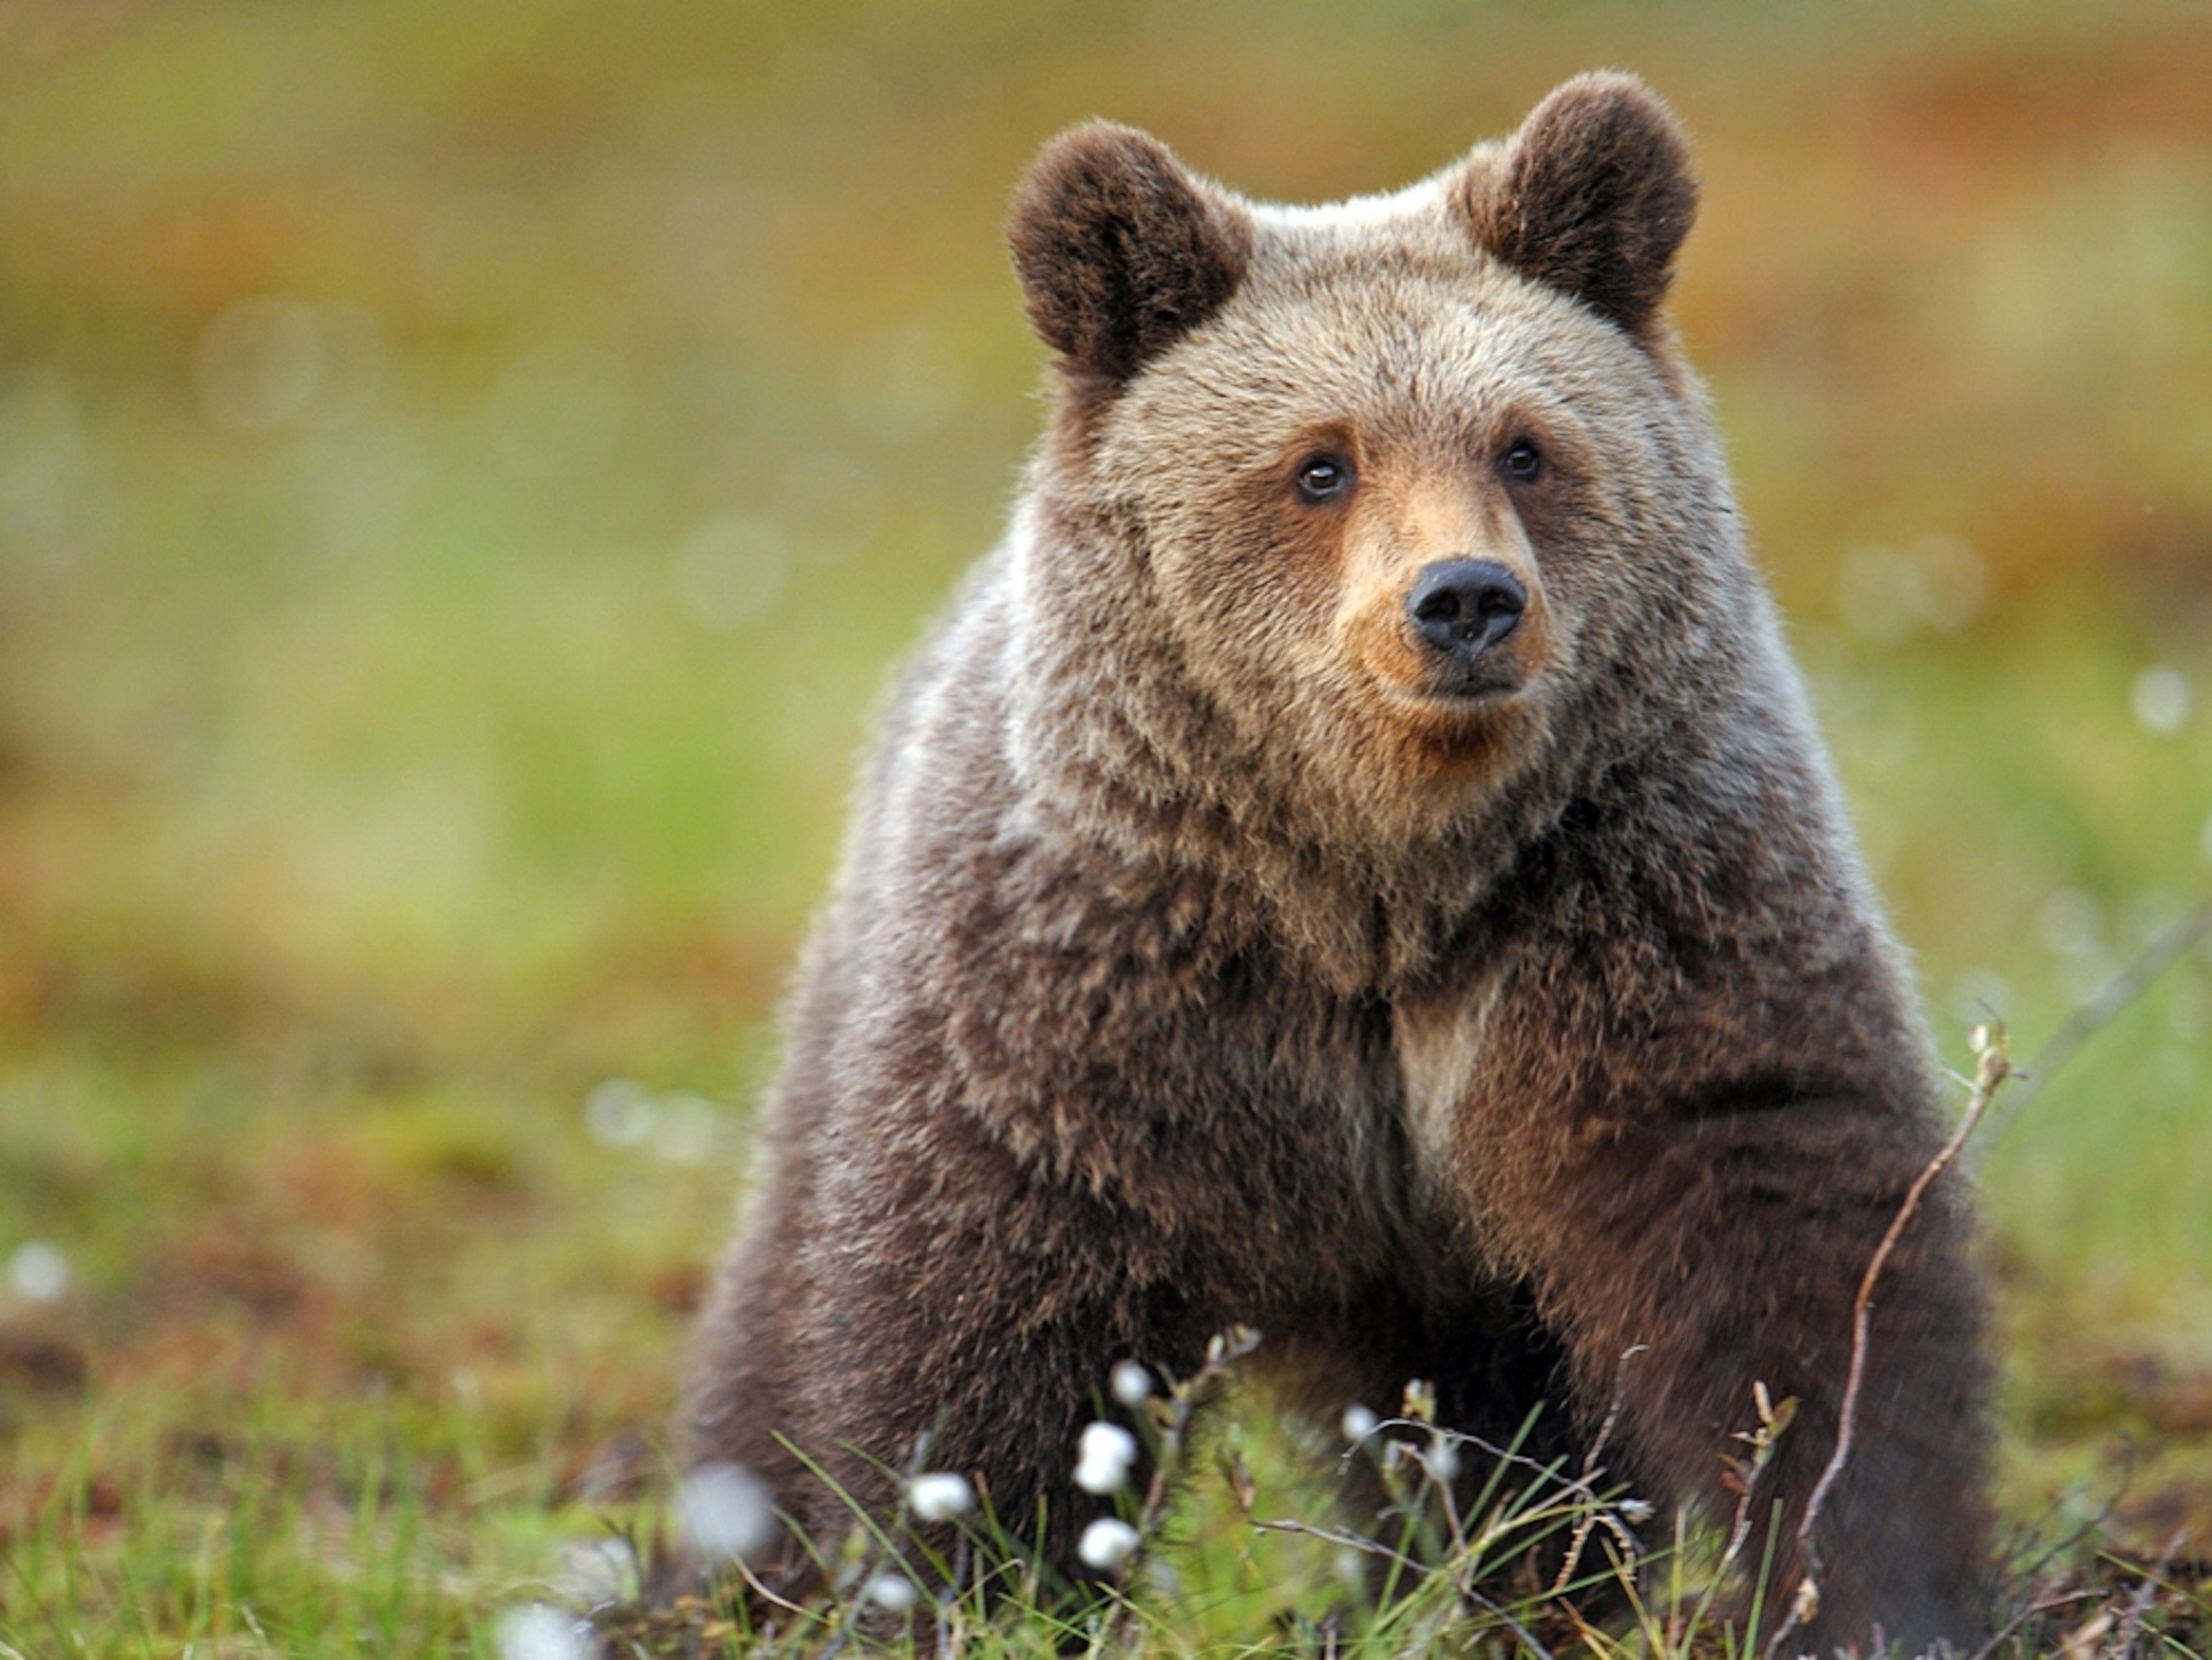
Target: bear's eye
x=1522, y=461
x=1324, y=478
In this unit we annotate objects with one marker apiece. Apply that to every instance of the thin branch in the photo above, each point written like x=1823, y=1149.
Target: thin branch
x=1588, y=1525
x=1991, y=1068
x=1460, y=1437
x=2165, y=949
x=1346, y=1540
x=2123, y=1645
x=2012, y=1626
x=1527, y=1637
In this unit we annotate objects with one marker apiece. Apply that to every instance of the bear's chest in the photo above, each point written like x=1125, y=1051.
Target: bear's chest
x=1438, y=1043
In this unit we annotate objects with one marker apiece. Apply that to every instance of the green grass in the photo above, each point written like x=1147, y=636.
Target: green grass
x=388, y=760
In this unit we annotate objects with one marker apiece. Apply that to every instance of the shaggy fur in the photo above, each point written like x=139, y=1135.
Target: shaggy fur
x=1199, y=957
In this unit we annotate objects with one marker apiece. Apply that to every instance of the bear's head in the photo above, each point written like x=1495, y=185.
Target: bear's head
x=1370, y=516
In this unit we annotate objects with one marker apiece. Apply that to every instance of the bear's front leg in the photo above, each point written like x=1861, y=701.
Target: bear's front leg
x=944, y=1301
x=1724, y=1226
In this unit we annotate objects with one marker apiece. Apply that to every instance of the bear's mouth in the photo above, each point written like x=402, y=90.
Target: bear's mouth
x=1460, y=712
x=1483, y=683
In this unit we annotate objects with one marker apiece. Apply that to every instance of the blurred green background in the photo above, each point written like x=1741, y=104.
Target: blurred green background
x=464, y=470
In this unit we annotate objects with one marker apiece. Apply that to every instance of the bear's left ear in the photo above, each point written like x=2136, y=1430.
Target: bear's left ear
x=1592, y=196
x=1121, y=252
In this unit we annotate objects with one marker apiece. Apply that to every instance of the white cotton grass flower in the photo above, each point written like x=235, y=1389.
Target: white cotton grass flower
x=1130, y=1384
x=726, y=1512
x=940, y=1495
x=894, y=1593
x=1108, y=1543
x=1105, y=1456
x=1442, y=1458
x=1358, y=1422
x=540, y=1632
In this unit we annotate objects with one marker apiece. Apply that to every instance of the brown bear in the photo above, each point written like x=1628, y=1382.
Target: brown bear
x=1355, y=862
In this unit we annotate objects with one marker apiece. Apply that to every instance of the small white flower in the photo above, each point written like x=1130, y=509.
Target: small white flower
x=726, y=1512
x=1358, y=1422
x=1107, y=1451
x=940, y=1496
x=894, y=1593
x=1442, y=1460
x=1130, y=1384
x=539, y=1633
x=1107, y=1543
x=1634, y=1510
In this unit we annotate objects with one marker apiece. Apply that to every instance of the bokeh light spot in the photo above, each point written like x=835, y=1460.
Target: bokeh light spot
x=901, y=386
x=261, y=363
x=37, y=1272
x=2160, y=698
x=730, y=569
x=619, y=1112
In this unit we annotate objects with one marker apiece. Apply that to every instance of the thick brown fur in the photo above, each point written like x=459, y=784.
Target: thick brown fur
x=1594, y=197
x=1201, y=958
x=1121, y=254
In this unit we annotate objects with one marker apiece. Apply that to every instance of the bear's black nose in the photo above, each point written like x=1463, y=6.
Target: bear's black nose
x=1463, y=607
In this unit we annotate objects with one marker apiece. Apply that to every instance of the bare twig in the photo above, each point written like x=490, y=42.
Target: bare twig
x=2124, y=1644
x=1991, y=1068
x=1483, y=1445
x=1346, y=1540
x=2042, y=1606
x=2165, y=949
x=1528, y=1638
x=1597, y=1513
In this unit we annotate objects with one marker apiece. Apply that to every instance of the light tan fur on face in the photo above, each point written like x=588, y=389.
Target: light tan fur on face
x=1406, y=518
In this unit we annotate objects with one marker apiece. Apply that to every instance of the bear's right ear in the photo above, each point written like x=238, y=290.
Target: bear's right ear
x=1592, y=196
x=1121, y=252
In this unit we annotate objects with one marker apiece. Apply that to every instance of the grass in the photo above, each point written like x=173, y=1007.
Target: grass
x=429, y=698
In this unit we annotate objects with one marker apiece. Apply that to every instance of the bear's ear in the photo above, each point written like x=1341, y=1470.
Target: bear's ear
x=1592, y=196
x=1121, y=252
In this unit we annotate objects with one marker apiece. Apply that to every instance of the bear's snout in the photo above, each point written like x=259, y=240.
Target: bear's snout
x=1463, y=607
